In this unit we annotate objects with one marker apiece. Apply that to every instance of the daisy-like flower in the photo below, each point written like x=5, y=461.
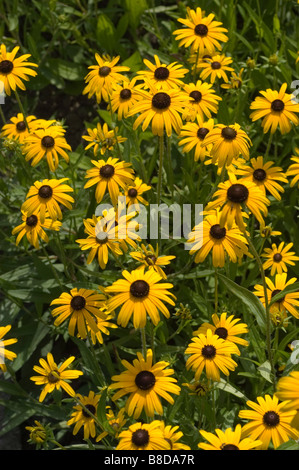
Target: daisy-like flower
x=84, y=414
x=143, y=436
x=216, y=68
x=235, y=81
x=287, y=303
x=269, y=421
x=102, y=76
x=227, y=328
x=212, y=353
x=103, y=323
x=123, y=97
x=38, y=433
x=5, y=353
x=140, y=294
x=192, y=138
x=198, y=388
x=293, y=169
x=232, y=195
x=102, y=138
x=266, y=231
x=229, y=142
x=46, y=143
x=172, y=434
x=33, y=228
x=112, y=175
x=145, y=383
x=276, y=108
x=81, y=307
x=288, y=390
x=127, y=226
x=51, y=376
x=202, y=101
x=16, y=129
x=116, y=422
x=161, y=108
x=101, y=237
x=227, y=440
x=278, y=257
x=265, y=175
x=209, y=235
x=134, y=193
x=163, y=77
x=201, y=32
x=13, y=70
x=149, y=257
x=46, y=196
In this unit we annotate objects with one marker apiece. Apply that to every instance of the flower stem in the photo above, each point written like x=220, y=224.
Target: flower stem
x=2, y=116
x=143, y=341
x=21, y=109
x=160, y=173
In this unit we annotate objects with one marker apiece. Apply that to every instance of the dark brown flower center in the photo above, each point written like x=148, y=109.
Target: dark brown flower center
x=31, y=221
x=229, y=133
x=259, y=174
x=277, y=257
x=229, y=447
x=208, y=351
x=161, y=100
x=217, y=232
x=201, y=30
x=277, y=105
x=132, y=192
x=140, y=437
x=202, y=132
x=6, y=67
x=139, y=288
x=196, y=96
x=107, y=171
x=21, y=126
x=90, y=408
x=52, y=378
x=271, y=419
x=45, y=191
x=237, y=193
x=221, y=332
x=125, y=94
x=48, y=141
x=161, y=73
x=104, y=71
x=145, y=380
x=216, y=65
x=275, y=292
x=151, y=259
x=78, y=302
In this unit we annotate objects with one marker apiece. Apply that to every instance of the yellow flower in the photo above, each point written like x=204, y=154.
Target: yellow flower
x=5, y=353
x=227, y=440
x=17, y=128
x=85, y=414
x=143, y=436
x=235, y=81
x=150, y=258
x=279, y=257
x=172, y=434
x=193, y=137
x=216, y=68
x=103, y=138
x=134, y=191
x=202, y=101
x=32, y=227
x=13, y=70
x=163, y=77
x=123, y=97
x=116, y=422
x=293, y=170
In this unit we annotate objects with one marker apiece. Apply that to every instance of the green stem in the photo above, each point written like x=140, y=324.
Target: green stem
x=160, y=173
x=21, y=109
x=216, y=290
x=268, y=147
x=2, y=116
x=143, y=342
x=52, y=267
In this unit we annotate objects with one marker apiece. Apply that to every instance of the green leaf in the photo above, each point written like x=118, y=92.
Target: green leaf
x=265, y=371
x=135, y=10
x=106, y=33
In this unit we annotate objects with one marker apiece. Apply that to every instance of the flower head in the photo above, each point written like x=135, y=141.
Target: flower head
x=202, y=101
x=149, y=257
x=227, y=440
x=16, y=129
x=216, y=68
x=278, y=257
x=84, y=414
x=102, y=138
x=162, y=76
x=193, y=136
x=14, y=69
x=5, y=353
x=33, y=228
x=143, y=436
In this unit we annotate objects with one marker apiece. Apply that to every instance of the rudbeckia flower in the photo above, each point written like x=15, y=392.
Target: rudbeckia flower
x=134, y=193
x=143, y=436
x=288, y=390
x=293, y=170
x=216, y=68
x=278, y=257
x=150, y=258
x=163, y=77
x=4, y=352
x=16, y=129
x=227, y=440
x=235, y=81
x=13, y=70
x=116, y=422
x=192, y=138
x=33, y=228
x=102, y=138
x=202, y=101
x=172, y=434
x=123, y=97
x=80, y=417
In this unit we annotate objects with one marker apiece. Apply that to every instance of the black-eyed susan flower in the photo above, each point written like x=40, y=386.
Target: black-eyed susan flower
x=192, y=138
x=116, y=422
x=220, y=239
x=52, y=376
x=127, y=225
x=278, y=257
x=134, y=193
x=172, y=434
x=112, y=174
x=38, y=434
x=103, y=324
x=227, y=440
x=5, y=353
x=235, y=81
x=81, y=307
x=201, y=32
x=198, y=388
x=162, y=109
x=266, y=231
x=287, y=390
x=100, y=79
x=143, y=436
x=277, y=109
x=103, y=138
x=287, y=303
x=232, y=195
x=212, y=353
x=47, y=196
x=123, y=97
x=140, y=293
x=216, y=68
x=16, y=129
x=13, y=70
x=265, y=175
x=227, y=328
x=145, y=383
x=149, y=257
x=85, y=414
x=101, y=238
x=202, y=101
x=228, y=143
x=33, y=228
x=164, y=77
x=47, y=143
x=293, y=169
x=269, y=422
